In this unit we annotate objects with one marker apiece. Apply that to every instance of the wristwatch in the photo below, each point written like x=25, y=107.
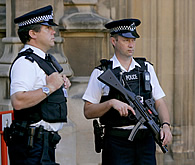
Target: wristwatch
x=46, y=90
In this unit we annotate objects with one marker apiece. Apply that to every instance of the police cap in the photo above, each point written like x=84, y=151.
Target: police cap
x=125, y=27
x=43, y=16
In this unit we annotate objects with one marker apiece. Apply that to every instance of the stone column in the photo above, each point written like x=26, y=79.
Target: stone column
x=87, y=42
x=12, y=46
x=86, y=37
x=183, y=133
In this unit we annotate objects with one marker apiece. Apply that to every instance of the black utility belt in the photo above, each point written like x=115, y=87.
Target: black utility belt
x=40, y=133
x=18, y=129
x=124, y=133
x=30, y=133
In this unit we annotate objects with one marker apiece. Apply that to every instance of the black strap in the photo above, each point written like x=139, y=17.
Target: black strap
x=43, y=64
x=107, y=64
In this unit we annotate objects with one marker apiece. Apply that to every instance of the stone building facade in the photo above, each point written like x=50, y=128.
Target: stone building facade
x=167, y=40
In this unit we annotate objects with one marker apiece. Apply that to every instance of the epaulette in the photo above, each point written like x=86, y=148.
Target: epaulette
x=149, y=62
x=29, y=57
x=105, y=64
x=27, y=53
x=141, y=59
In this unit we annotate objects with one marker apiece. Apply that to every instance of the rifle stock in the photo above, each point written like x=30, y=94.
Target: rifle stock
x=142, y=114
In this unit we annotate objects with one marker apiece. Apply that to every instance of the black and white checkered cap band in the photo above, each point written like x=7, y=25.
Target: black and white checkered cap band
x=34, y=20
x=131, y=28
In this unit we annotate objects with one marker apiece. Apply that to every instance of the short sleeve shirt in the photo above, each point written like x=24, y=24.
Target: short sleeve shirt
x=28, y=76
x=96, y=89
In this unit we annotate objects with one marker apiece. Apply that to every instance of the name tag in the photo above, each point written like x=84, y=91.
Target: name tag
x=65, y=92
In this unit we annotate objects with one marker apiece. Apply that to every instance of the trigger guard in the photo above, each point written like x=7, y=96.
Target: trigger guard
x=131, y=116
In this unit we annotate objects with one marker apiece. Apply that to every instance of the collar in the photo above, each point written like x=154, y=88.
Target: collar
x=37, y=51
x=116, y=63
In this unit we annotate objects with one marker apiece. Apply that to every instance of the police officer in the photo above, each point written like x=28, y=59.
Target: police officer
x=38, y=93
x=117, y=116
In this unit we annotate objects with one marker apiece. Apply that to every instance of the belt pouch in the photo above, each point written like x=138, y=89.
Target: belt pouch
x=55, y=138
x=45, y=160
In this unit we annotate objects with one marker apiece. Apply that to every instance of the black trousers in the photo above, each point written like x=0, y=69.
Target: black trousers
x=120, y=151
x=21, y=154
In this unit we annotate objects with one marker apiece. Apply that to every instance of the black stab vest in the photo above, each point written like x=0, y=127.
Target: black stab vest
x=53, y=108
x=135, y=83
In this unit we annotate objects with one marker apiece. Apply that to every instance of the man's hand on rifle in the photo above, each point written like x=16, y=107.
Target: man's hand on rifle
x=165, y=134
x=121, y=107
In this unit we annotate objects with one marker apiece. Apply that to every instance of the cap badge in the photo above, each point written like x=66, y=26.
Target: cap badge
x=132, y=27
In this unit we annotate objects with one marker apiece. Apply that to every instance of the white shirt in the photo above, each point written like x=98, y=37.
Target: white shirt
x=96, y=88
x=28, y=76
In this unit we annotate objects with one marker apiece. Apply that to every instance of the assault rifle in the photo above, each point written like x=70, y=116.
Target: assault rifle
x=143, y=115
